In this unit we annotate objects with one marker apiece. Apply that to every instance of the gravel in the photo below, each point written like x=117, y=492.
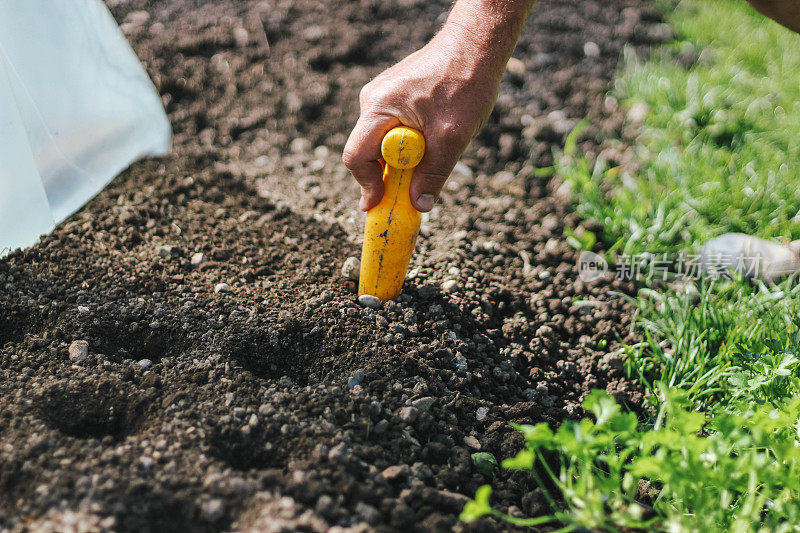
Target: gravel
x=351, y=268
x=408, y=414
x=355, y=379
x=78, y=351
x=423, y=404
x=367, y=300
x=450, y=285
x=222, y=287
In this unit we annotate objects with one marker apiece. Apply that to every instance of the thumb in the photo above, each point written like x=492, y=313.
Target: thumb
x=430, y=176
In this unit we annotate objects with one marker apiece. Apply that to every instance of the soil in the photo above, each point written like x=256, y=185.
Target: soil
x=280, y=404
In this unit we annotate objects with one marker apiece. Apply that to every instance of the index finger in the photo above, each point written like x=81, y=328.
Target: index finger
x=362, y=155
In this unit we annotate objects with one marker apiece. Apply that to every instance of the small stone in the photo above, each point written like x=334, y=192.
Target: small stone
x=338, y=453
x=355, y=379
x=145, y=363
x=461, y=170
x=515, y=66
x=212, y=510
x=222, y=287
x=168, y=251
x=252, y=421
x=423, y=404
x=394, y=472
x=544, y=274
x=472, y=442
x=82, y=309
x=300, y=145
x=461, y=362
x=590, y=49
x=481, y=414
x=240, y=36
x=367, y=300
x=351, y=268
x=78, y=351
x=198, y=258
x=450, y=285
x=381, y=426
x=408, y=414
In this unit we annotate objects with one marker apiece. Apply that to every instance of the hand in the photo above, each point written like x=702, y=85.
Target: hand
x=446, y=90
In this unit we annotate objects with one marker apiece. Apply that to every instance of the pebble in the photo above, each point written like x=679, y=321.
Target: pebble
x=515, y=66
x=82, y=309
x=423, y=404
x=252, y=421
x=78, y=351
x=590, y=49
x=396, y=471
x=462, y=170
x=198, y=258
x=212, y=510
x=338, y=453
x=408, y=414
x=367, y=300
x=300, y=145
x=481, y=414
x=241, y=37
x=355, y=379
x=168, y=251
x=472, y=442
x=381, y=426
x=450, y=285
x=351, y=268
x=222, y=287
x=145, y=363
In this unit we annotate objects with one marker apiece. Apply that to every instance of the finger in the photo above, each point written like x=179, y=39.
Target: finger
x=362, y=154
x=431, y=175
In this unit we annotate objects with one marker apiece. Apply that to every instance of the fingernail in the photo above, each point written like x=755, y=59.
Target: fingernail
x=362, y=204
x=424, y=202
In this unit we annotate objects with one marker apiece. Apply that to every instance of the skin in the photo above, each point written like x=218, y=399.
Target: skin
x=447, y=90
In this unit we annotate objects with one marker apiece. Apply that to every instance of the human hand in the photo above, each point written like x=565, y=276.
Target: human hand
x=446, y=90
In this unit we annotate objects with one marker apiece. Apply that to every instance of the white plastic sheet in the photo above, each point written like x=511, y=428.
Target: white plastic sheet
x=76, y=108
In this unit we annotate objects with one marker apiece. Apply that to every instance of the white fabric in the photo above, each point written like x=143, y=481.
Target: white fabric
x=76, y=108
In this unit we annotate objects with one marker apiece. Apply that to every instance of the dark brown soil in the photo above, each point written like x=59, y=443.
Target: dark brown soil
x=244, y=418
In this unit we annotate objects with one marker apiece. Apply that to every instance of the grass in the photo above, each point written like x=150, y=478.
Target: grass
x=718, y=152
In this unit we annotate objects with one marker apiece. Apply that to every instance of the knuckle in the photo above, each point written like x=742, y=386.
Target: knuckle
x=452, y=132
x=349, y=158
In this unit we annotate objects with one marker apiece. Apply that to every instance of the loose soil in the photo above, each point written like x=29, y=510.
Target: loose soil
x=281, y=404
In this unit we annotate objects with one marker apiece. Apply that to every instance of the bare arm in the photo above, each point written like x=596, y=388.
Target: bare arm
x=446, y=90
x=785, y=12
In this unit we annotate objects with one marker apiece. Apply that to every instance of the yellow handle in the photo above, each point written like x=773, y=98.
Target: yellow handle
x=392, y=225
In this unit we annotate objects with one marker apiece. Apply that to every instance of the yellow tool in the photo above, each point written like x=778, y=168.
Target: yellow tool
x=392, y=225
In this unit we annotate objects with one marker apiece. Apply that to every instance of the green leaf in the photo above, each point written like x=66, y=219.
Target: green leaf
x=479, y=506
x=602, y=405
x=522, y=461
x=485, y=463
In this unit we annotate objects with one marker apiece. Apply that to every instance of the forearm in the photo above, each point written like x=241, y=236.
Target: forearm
x=487, y=31
x=785, y=12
